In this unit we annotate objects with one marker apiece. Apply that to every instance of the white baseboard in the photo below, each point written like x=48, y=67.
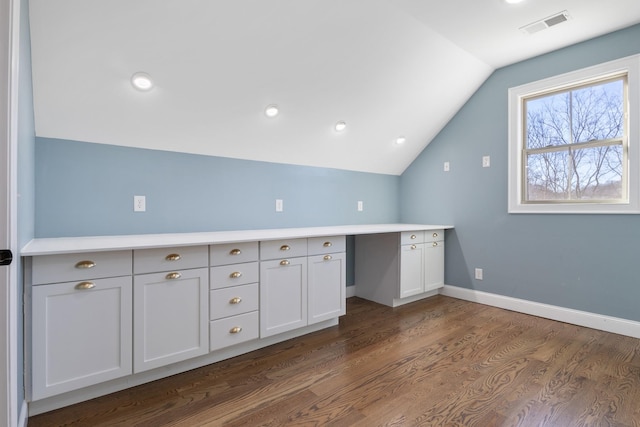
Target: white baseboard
x=576, y=317
x=351, y=291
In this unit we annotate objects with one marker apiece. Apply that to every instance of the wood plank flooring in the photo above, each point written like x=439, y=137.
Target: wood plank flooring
x=436, y=362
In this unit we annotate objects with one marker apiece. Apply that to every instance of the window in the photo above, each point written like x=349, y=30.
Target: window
x=573, y=142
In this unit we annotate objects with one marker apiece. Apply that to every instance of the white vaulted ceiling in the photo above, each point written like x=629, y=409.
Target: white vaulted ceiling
x=388, y=68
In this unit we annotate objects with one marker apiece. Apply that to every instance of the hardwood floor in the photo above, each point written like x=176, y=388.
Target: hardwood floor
x=437, y=362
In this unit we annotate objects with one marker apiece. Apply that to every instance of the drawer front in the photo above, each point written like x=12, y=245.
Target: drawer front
x=326, y=245
x=169, y=259
x=233, y=275
x=434, y=235
x=233, y=301
x=276, y=249
x=233, y=253
x=84, y=266
x=411, y=237
x=233, y=330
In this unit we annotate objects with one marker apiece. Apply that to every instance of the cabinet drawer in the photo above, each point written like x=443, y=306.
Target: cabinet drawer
x=233, y=301
x=276, y=249
x=326, y=245
x=166, y=259
x=85, y=266
x=233, y=253
x=233, y=275
x=233, y=330
x=434, y=235
x=411, y=237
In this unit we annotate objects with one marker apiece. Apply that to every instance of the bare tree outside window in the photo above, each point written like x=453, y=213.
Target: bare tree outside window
x=574, y=147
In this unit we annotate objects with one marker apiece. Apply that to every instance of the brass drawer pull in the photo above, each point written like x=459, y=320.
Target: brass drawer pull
x=85, y=285
x=235, y=300
x=327, y=244
x=285, y=247
x=235, y=252
x=435, y=234
x=285, y=262
x=173, y=257
x=413, y=246
x=413, y=237
x=174, y=275
x=85, y=264
x=235, y=330
x=327, y=257
x=235, y=275
x=435, y=244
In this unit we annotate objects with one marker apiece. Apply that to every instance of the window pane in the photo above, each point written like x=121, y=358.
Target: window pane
x=547, y=177
x=598, y=112
x=548, y=121
x=583, y=174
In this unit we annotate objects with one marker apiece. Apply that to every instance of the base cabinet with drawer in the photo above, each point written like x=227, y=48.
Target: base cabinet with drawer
x=170, y=306
x=81, y=327
x=234, y=298
x=327, y=272
x=397, y=268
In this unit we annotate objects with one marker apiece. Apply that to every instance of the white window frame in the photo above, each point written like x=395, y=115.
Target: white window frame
x=629, y=65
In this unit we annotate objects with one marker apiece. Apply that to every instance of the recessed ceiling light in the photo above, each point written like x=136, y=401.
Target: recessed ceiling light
x=513, y=1
x=340, y=126
x=271, y=110
x=142, y=81
x=400, y=140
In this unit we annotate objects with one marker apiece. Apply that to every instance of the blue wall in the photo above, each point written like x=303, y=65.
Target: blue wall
x=26, y=173
x=584, y=262
x=87, y=189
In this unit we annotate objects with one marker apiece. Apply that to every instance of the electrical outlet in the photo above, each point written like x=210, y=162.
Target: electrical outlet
x=279, y=205
x=446, y=166
x=486, y=161
x=139, y=203
x=360, y=206
x=478, y=273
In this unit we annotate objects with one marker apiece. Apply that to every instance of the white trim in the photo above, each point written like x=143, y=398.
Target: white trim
x=630, y=65
x=351, y=291
x=23, y=415
x=601, y=322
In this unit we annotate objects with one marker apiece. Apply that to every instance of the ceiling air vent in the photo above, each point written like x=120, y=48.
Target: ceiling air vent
x=545, y=23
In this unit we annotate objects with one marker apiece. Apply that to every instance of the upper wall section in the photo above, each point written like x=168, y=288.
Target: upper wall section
x=216, y=65
x=85, y=189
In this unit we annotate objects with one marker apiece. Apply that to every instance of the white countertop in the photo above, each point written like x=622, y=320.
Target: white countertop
x=64, y=245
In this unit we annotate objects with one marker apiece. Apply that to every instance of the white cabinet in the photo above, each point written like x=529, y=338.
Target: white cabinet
x=171, y=309
x=283, y=295
x=326, y=278
x=81, y=330
x=234, y=298
x=396, y=268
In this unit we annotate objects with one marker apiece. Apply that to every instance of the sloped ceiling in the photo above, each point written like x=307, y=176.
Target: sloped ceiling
x=388, y=68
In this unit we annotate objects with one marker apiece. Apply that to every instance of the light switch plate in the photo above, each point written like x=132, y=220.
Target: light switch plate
x=279, y=205
x=446, y=166
x=486, y=161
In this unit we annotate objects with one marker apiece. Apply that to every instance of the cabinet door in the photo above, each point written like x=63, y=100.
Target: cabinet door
x=434, y=265
x=411, y=269
x=171, y=318
x=326, y=287
x=283, y=295
x=81, y=334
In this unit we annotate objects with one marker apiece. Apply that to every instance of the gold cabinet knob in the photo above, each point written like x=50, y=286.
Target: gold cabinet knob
x=327, y=257
x=327, y=244
x=235, y=330
x=235, y=252
x=285, y=262
x=173, y=257
x=235, y=300
x=174, y=275
x=413, y=246
x=85, y=285
x=435, y=234
x=435, y=244
x=413, y=237
x=85, y=264
x=235, y=275
x=285, y=247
